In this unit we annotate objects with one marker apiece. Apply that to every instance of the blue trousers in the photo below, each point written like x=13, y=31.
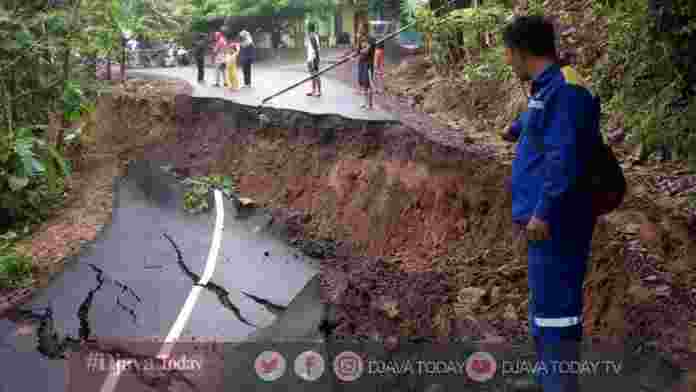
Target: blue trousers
x=556, y=274
x=554, y=370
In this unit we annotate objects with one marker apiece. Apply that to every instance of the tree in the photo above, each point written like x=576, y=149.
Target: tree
x=392, y=13
x=33, y=42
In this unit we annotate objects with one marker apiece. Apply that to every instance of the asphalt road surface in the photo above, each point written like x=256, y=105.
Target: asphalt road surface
x=270, y=77
x=131, y=284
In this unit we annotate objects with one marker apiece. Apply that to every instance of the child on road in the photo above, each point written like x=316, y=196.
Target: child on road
x=219, y=57
x=231, y=54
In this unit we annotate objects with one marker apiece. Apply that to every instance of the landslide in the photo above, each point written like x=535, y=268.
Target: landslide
x=643, y=264
x=415, y=236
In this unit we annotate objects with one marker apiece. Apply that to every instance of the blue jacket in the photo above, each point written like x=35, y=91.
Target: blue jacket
x=518, y=125
x=556, y=136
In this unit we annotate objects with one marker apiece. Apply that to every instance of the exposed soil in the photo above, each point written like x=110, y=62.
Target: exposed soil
x=642, y=238
x=412, y=222
x=89, y=194
x=422, y=243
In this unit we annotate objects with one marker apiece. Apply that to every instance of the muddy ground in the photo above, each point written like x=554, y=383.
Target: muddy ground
x=415, y=234
x=412, y=221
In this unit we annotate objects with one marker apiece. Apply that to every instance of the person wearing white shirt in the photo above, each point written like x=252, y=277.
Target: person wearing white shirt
x=313, y=60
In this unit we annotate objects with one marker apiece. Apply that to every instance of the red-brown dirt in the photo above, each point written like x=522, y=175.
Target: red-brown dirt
x=408, y=208
x=428, y=248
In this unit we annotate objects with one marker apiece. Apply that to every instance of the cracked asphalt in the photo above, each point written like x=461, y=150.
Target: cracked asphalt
x=132, y=282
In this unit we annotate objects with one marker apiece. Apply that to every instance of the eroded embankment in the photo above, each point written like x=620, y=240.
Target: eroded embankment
x=424, y=244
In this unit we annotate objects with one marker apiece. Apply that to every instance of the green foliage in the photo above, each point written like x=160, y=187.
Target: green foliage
x=535, y=7
x=468, y=36
x=129, y=16
x=408, y=11
x=31, y=178
x=15, y=270
x=642, y=81
x=73, y=100
x=490, y=67
x=40, y=74
x=196, y=198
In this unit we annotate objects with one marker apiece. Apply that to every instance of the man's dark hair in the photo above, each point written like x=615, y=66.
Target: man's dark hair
x=532, y=34
x=311, y=27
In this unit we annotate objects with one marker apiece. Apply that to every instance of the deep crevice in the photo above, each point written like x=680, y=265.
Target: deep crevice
x=270, y=306
x=219, y=291
x=101, y=277
x=50, y=343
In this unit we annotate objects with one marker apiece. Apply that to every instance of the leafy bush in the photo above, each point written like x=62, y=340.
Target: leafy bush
x=31, y=173
x=196, y=198
x=468, y=36
x=644, y=80
x=15, y=270
x=408, y=11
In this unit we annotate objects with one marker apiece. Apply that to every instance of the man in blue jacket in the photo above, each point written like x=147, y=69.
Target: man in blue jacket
x=556, y=137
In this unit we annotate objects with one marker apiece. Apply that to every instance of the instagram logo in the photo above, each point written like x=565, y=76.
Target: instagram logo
x=348, y=366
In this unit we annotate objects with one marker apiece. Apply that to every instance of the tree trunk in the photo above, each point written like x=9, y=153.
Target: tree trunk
x=64, y=123
x=123, y=62
x=66, y=71
x=360, y=24
x=360, y=19
x=392, y=13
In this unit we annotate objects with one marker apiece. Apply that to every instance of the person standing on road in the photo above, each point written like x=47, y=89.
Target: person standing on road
x=219, y=57
x=313, y=59
x=561, y=128
x=379, y=69
x=366, y=59
x=200, y=47
x=231, y=56
x=247, y=55
x=360, y=37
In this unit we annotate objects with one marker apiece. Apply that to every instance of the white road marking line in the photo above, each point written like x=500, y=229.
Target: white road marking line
x=185, y=313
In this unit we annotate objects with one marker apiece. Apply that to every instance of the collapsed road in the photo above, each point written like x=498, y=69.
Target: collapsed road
x=389, y=191
x=133, y=280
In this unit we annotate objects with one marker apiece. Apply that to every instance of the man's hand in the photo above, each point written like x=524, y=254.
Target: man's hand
x=508, y=137
x=538, y=230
